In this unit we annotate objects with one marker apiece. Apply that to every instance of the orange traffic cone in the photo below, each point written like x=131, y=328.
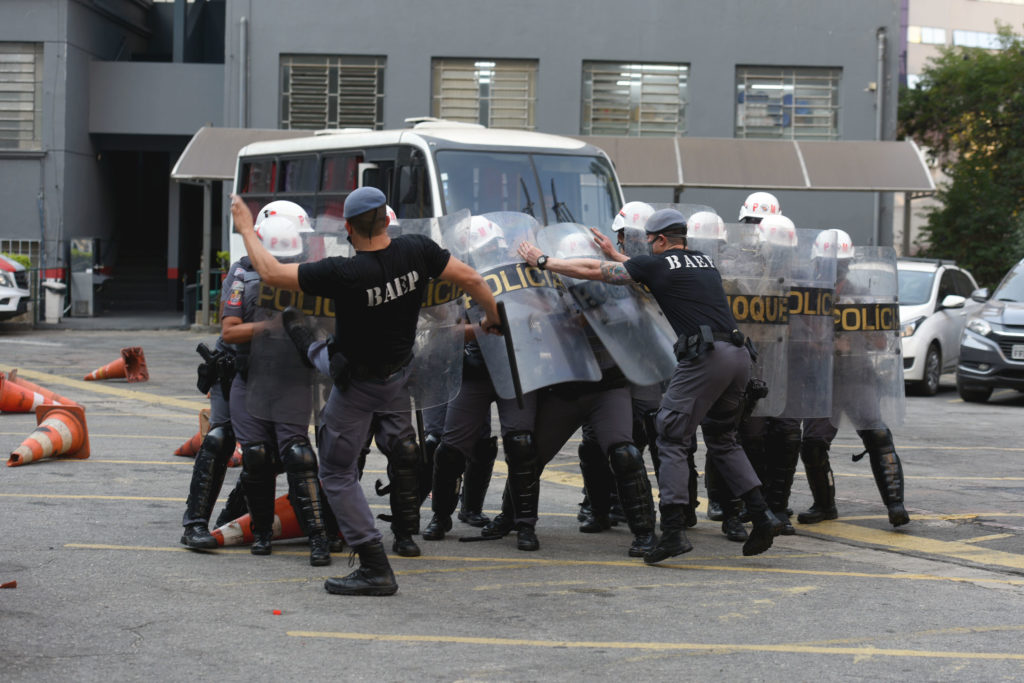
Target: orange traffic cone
x=15, y=398
x=190, y=448
x=239, y=532
x=131, y=365
x=50, y=396
x=60, y=430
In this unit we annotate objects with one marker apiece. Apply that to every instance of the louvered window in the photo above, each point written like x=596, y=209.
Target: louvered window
x=498, y=94
x=21, y=87
x=320, y=91
x=794, y=104
x=634, y=99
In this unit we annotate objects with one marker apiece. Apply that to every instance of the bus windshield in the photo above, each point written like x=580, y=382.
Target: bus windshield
x=553, y=188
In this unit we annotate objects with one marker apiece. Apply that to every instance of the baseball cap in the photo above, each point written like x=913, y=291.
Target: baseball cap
x=362, y=200
x=665, y=219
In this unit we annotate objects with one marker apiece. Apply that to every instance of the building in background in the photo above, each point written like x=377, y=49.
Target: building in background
x=110, y=92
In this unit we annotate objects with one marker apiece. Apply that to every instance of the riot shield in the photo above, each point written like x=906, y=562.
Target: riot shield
x=811, y=298
x=436, y=374
x=755, y=276
x=627, y=320
x=868, y=390
x=549, y=340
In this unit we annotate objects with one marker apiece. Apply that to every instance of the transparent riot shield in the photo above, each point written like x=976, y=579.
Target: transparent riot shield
x=627, y=320
x=868, y=391
x=436, y=374
x=548, y=337
x=755, y=276
x=811, y=297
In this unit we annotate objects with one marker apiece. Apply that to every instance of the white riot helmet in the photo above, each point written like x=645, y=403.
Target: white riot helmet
x=777, y=230
x=574, y=245
x=479, y=232
x=757, y=205
x=392, y=216
x=705, y=225
x=834, y=242
x=289, y=210
x=280, y=236
x=632, y=215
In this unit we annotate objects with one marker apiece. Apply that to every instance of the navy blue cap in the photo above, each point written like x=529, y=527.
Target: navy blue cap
x=665, y=219
x=362, y=200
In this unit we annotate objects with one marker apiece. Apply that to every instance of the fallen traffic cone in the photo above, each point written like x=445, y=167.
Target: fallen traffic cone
x=239, y=532
x=190, y=448
x=131, y=365
x=50, y=396
x=60, y=430
x=15, y=398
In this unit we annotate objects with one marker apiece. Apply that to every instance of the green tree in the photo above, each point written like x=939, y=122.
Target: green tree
x=968, y=114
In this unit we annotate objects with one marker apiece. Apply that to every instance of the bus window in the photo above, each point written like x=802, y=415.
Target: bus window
x=577, y=189
x=340, y=172
x=298, y=175
x=412, y=195
x=488, y=181
x=257, y=176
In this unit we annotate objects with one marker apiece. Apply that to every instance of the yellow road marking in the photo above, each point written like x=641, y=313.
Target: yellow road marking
x=905, y=542
x=635, y=564
x=714, y=648
x=45, y=378
x=990, y=537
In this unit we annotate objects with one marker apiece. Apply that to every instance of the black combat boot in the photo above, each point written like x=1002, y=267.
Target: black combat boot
x=437, y=527
x=765, y=524
x=716, y=492
x=635, y=494
x=207, y=478
x=597, y=480
x=448, y=466
x=258, y=479
x=782, y=453
x=504, y=521
x=814, y=454
x=888, y=472
x=526, y=537
x=673, y=535
x=404, y=468
x=477, y=478
x=293, y=322
x=374, y=576
x=319, y=550
x=732, y=526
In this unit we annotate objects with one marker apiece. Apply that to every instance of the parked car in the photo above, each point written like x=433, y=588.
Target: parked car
x=14, y=294
x=934, y=298
x=992, y=344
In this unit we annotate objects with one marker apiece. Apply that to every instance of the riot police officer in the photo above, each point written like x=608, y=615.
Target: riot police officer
x=709, y=380
x=377, y=302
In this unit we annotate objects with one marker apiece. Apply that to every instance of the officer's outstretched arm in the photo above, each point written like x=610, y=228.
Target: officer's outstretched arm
x=463, y=275
x=611, y=272
x=272, y=271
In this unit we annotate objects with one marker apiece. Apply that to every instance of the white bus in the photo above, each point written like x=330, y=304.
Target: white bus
x=432, y=169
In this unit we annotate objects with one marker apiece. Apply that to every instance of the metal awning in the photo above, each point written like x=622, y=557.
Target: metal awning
x=734, y=163
x=211, y=154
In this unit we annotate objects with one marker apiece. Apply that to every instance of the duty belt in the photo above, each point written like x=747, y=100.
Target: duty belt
x=688, y=348
x=379, y=372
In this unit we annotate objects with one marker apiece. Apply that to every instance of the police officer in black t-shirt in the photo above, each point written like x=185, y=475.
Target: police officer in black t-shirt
x=377, y=302
x=708, y=385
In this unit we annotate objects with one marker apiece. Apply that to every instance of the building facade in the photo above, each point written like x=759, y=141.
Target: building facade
x=121, y=85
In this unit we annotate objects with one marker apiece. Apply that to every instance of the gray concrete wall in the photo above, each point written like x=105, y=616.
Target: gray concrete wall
x=712, y=37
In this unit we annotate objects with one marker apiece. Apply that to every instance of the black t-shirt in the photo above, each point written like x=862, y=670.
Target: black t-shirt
x=688, y=288
x=377, y=296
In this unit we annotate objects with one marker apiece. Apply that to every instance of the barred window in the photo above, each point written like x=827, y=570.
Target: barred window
x=21, y=95
x=324, y=91
x=498, y=94
x=634, y=99
x=788, y=103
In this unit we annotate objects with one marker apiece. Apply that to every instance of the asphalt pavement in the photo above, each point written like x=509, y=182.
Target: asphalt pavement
x=106, y=592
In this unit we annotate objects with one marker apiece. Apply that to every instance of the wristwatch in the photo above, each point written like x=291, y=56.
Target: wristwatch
x=542, y=261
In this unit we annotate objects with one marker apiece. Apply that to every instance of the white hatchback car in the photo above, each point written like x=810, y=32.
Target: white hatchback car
x=935, y=303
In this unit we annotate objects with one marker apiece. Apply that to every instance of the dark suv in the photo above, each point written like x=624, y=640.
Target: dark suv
x=992, y=345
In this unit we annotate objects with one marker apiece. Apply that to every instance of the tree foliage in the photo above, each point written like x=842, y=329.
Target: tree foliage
x=968, y=114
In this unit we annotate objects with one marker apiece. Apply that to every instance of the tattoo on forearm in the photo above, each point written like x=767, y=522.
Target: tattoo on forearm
x=615, y=273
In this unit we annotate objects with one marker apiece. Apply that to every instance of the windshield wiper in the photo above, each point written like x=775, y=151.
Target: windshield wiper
x=529, y=202
x=562, y=212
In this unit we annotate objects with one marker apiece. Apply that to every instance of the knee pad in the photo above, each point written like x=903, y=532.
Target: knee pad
x=220, y=439
x=519, y=446
x=625, y=459
x=877, y=440
x=430, y=443
x=589, y=451
x=405, y=454
x=298, y=456
x=258, y=460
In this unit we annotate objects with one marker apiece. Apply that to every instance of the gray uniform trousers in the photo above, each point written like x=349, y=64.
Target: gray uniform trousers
x=712, y=386
x=608, y=414
x=250, y=429
x=220, y=407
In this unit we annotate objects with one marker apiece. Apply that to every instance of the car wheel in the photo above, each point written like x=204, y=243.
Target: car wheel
x=973, y=394
x=932, y=371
